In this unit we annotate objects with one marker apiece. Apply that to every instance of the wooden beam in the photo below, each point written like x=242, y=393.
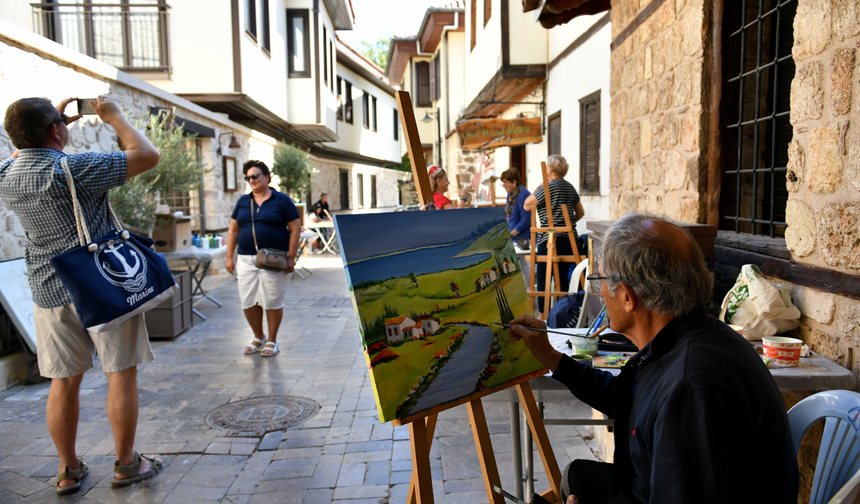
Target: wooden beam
x=413, y=146
x=485, y=451
x=421, y=461
x=714, y=180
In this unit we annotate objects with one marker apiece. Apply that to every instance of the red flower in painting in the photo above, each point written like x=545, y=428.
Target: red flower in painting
x=384, y=356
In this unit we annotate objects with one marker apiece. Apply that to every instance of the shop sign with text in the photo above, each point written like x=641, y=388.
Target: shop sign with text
x=492, y=133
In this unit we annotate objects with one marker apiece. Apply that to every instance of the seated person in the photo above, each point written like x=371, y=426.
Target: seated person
x=698, y=416
x=319, y=212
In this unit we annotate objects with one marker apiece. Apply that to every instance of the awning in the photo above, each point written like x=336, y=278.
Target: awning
x=504, y=90
x=552, y=13
x=246, y=111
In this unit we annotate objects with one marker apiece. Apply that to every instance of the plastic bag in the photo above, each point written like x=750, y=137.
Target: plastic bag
x=760, y=308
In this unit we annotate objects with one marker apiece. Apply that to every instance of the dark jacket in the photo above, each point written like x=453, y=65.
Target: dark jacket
x=698, y=418
x=519, y=218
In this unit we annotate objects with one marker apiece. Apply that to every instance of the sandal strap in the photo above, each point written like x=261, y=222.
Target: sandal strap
x=131, y=470
x=75, y=474
x=272, y=343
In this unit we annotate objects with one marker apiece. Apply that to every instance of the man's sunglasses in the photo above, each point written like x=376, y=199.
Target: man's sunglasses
x=63, y=119
x=249, y=178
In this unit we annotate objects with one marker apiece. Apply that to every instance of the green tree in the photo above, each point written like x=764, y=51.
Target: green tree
x=294, y=168
x=454, y=288
x=411, y=276
x=376, y=51
x=178, y=170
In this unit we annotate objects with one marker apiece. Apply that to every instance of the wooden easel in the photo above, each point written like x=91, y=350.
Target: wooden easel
x=422, y=425
x=551, y=256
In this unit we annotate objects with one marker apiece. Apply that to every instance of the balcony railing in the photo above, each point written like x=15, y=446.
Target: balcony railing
x=129, y=36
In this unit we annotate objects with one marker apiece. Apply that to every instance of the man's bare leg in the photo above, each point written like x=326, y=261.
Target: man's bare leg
x=122, y=411
x=62, y=414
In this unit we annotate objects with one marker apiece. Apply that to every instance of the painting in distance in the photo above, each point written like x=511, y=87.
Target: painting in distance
x=428, y=288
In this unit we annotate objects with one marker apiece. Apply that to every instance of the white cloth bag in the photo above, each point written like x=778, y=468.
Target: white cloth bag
x=760, y=308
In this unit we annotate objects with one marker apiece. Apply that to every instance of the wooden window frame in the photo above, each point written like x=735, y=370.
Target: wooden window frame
x=584, y=103
x=349, y=109
x=266, y=36
x=419, y=101
x=473, y=24
x=549, y=139
x=365, y=110
x=488, y=11
x=305, y=16
x=226, y=163
x=251, y=18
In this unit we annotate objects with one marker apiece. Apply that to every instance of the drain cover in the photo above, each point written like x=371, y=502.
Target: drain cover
x=259, y=415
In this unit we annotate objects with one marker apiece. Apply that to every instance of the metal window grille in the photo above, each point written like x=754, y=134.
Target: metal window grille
x=131, y=36
x=758, y=69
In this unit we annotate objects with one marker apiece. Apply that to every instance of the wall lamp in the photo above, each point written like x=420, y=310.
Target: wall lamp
x=428, y=118
x=234, y=144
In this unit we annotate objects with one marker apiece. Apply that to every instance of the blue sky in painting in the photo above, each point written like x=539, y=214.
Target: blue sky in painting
x=369, y=235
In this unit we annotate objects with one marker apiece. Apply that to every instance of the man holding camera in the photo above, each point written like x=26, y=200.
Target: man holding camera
x=33, y=185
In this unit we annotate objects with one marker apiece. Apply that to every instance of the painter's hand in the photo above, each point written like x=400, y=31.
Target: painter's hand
x=536, y=341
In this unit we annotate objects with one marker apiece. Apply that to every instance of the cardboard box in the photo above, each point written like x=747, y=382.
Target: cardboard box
x=171, y=233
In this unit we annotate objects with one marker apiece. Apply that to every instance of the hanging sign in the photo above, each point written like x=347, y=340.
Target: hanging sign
x=491, y=133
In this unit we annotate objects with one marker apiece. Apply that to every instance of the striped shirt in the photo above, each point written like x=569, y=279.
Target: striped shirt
x=34, y=187
x=561, y=192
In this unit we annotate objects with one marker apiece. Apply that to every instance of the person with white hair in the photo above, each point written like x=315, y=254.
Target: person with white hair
x=698, y=416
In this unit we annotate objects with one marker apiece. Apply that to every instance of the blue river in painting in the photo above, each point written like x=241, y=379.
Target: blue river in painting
x=419, y=261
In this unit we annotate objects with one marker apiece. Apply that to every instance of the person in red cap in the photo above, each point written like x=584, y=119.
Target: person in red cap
x=439, y=185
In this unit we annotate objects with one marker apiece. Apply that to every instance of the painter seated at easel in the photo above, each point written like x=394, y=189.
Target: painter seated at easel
x=698, y=416
x=439, y=185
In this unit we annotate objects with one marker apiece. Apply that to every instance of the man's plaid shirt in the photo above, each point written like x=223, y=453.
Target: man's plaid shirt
x=34, y=187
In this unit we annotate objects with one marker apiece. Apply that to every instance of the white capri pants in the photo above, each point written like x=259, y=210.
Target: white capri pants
x=258, y=286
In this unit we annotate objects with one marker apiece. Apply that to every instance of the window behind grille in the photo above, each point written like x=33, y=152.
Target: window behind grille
x=589, y=144
x=422, y=84
x=754, y=113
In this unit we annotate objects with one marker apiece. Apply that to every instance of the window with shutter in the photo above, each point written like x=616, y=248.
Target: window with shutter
x=589, y=144
x=488, y=10
x=396, y=125
x=473, y=23
x=434, y=82
x=422, y=84
x=373, y=113
x=554, y=134
x=365, y=110
x=373, y=191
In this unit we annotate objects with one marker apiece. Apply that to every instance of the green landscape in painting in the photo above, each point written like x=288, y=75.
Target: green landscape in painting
x=429, y=289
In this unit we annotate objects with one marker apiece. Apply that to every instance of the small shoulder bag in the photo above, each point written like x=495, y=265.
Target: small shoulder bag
x=267, y=258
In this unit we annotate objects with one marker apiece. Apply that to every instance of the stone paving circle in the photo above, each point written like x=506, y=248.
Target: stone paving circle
x=259, y=415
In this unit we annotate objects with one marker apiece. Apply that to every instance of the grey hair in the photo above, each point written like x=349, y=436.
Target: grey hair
x=670, y=277
x=558, y=164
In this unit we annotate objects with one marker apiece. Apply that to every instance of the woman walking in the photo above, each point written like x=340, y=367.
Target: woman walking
x=273, y=218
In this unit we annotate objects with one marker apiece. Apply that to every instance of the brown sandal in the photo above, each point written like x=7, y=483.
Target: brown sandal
x=76, y=474
x=133, y=471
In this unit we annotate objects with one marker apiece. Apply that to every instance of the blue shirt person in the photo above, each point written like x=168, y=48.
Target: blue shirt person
x=519, y=220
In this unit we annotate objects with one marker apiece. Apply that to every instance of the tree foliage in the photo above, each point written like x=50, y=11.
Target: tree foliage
x=294, y=168
x=376, y=51
x=177, y=170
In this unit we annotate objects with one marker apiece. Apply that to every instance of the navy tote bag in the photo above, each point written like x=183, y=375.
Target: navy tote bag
x=114, y=278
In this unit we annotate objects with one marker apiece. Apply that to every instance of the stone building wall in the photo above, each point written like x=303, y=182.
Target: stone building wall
x=327, y=180
x=823, y=212
x=657, y=119
x=33, y=71
x=459, y=162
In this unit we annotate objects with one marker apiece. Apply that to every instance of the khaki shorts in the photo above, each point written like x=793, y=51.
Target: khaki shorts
x=66, y=349
x=258, y=286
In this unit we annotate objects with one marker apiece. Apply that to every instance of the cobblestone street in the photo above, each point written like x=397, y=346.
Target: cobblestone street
x=341, y=454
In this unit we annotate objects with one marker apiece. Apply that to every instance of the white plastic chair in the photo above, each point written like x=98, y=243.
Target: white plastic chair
x=837, y=471
x=574, y=287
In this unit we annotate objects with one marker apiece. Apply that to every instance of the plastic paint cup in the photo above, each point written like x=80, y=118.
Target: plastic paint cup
x=586, y=346
x=782, y=351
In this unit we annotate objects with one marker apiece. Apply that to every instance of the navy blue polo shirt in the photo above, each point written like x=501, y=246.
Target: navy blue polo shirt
x=271, y=219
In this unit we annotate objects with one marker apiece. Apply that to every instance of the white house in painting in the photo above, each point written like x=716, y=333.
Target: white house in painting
x=398, y=328
x=429, y=325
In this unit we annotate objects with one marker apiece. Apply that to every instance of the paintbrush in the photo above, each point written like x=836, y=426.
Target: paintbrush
x=536, y=329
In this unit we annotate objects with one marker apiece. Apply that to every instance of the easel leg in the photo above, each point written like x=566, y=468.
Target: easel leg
x=430, y=428
x=550, y=262
x=527, y=399
x=485, y=450
x=422, y=481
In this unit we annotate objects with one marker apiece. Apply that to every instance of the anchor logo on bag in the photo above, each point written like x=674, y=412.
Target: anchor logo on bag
x=132, y=278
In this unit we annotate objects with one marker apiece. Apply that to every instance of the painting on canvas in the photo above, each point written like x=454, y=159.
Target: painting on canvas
x=427, y=288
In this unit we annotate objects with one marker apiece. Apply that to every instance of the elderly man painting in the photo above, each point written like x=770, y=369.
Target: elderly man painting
x=698, y=417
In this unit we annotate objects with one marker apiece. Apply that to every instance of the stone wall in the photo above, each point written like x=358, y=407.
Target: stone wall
x=29, y=71
x=823, y=212
x=459, y=162
x=327, y=180
x=657, y=118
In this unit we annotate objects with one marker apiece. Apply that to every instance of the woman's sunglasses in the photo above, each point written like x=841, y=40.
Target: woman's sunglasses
x=249, y=178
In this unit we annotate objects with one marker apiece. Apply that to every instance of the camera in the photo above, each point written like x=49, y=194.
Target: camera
x=84, y=107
